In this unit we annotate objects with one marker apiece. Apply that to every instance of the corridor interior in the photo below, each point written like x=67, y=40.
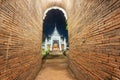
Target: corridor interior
x=94, y=40
x=55, y=67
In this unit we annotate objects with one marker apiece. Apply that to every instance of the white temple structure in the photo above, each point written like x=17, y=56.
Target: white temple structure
x=55, y=37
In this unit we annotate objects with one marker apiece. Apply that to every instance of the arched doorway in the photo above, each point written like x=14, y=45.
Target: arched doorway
x=55, y=32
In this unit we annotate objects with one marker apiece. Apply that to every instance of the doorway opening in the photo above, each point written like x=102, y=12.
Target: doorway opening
x=55, y=32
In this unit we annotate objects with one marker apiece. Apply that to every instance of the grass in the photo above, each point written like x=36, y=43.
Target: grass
x=45, y=52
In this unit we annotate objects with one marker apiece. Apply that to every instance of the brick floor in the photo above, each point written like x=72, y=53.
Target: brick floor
x=55, y=69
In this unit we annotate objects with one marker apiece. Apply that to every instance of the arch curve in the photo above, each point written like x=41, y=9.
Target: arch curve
x=54, y=7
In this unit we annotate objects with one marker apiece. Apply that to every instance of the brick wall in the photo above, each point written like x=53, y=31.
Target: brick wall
x=94, y=37
x=20, y=40
x=94, y=34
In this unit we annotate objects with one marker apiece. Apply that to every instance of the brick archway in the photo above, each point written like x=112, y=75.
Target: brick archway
x=55, y=7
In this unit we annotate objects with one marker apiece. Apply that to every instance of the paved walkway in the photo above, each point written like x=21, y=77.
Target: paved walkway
x=55, y=68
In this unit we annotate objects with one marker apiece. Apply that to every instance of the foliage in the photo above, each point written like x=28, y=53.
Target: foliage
x=45, y=52
x=66, y=25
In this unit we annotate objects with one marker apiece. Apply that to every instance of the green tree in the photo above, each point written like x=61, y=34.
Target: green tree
x=66, y=25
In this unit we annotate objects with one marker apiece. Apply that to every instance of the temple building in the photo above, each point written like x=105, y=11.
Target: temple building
x=55, y=41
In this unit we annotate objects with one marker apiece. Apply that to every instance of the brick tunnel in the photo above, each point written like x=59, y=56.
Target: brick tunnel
x=94, y=38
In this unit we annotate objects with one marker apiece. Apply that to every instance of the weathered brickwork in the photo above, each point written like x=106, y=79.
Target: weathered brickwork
x=20, y=39
x=95, y=40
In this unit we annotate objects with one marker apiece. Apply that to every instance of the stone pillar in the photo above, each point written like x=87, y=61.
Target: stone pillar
x=65, y=44
x=51, y=44
x=60, y=44
x=45, y=43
